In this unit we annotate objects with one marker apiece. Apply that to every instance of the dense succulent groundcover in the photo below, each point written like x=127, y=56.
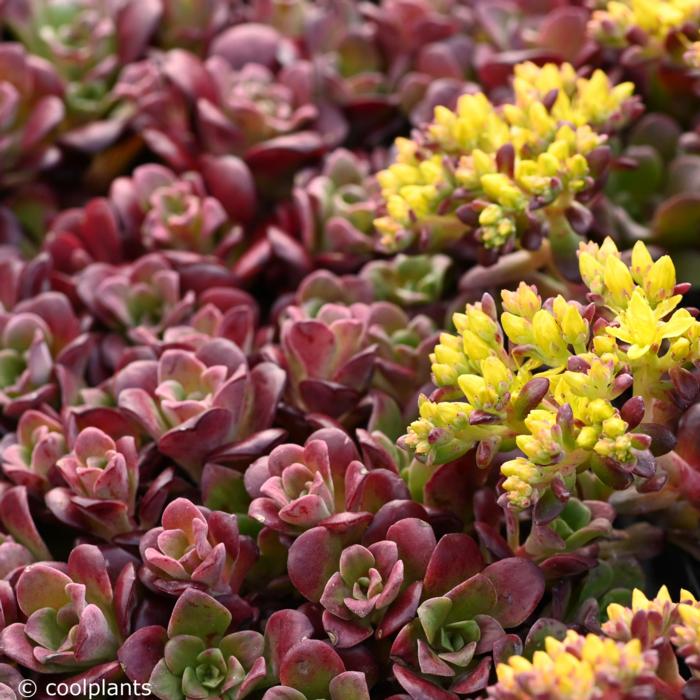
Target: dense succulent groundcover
x=349, y=350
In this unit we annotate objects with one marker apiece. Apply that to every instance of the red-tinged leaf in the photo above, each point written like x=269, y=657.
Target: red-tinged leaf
x=313, y=558
x=309, y=666
x=543, y=628
x=42, y=586
x=520, y=585
x=281, y=692
x=125, y=598
x=419, y=687
x=507, y=646
x=284, y=154
x=455, y=558
x=490, y=631
x=372, y=489
x=474, y=680
x=344, y=634
x=416, y=541
x=198, y=614
x=348, y=525
x=389, y=514
x=330, y=398
x=677, y=220
x=142, y=651
x=401, y=611
x=492, y=540
x=16, y=646
x=311, y=344
x=231, y=182
x=562, y=565
x=191, y=443
x=477, y=595
x=94, y=640
x=135, y=24
x=87, y=565
x=284, y=630
x=17, y=519
x=350, y=685
x=563, y=31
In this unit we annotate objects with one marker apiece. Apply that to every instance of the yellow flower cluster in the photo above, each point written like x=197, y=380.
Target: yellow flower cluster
x=511, y=162
x=613, y=23
x=551, y=391
x=624, y=657
x=577, y=668
x=662, y=609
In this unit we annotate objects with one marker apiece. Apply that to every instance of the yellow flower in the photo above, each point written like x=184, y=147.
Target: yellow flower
x=460, y=158
x=643, y=329
x=657, y=20
x=576, y=668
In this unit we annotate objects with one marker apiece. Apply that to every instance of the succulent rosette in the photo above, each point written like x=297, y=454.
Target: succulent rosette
x=102, y=476
x=195, y=548
x=329, y=359
x=29, y=456
x=296, y=488
x=167, y=211
x=143, y=298
x=408, y=280
x=32, y=109
x=197, y=403
x=42, y=350
x=455, y=627
x=335, y=209
x=195, y=657
x=86, y=41
x=76, y=618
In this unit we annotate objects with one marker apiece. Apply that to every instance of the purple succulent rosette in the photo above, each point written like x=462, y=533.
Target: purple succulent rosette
x=296, y=487
x=86, y=42
x=31, y=109
x=102, y=475
x=142, y=299
x=195, y=548
x=29, y=456
x=195, y=404
x=190, y=212
x=42, y=352
x=196, y=656
x=76, y=618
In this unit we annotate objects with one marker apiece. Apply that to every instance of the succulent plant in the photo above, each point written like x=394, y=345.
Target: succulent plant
x=243, y=245
x=196, y=403
x=195, y=656
x=102, y=476
x=86, y=41
x=594, y=666
x=29, y=456
x=505, y=175
x=32, y=111
x=76, y=618
x=164, y=210
x=195, y=548
x=573, y=405
x=41, y=350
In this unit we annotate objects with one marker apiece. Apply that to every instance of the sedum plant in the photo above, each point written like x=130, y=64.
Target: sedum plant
x=550, y=379
x=505, y=175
